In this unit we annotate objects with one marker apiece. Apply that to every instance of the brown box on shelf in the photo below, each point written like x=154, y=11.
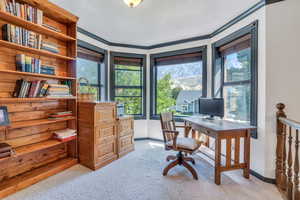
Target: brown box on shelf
x=4, y=148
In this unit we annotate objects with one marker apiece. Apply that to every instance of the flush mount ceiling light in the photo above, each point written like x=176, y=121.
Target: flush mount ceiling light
x=132, y=3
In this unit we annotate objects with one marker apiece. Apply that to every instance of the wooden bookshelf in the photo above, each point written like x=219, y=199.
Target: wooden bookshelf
x=37, y=156
x=36, y=75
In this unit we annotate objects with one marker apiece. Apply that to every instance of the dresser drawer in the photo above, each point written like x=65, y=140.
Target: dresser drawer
x=106, y=151
x=125, y=127
x=105, y=114
x=126, y=142
x=105, y=131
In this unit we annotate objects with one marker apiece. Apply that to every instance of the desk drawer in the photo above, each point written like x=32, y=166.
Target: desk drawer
x=105, y=114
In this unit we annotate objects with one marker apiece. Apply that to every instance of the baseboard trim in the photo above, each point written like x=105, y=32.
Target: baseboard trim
x=148, y=138
x=262, y=178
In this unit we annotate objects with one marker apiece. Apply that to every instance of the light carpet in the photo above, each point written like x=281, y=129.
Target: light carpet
x=138, y=176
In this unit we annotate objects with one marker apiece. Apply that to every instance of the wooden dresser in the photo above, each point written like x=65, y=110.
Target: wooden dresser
x=125, y=128
x=102, y=137
x=97, y=133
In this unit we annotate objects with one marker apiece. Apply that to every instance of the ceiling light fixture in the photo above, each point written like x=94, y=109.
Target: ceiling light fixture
x=132, y=3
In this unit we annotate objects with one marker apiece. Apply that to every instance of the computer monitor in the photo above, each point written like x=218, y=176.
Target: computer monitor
x=212, y=107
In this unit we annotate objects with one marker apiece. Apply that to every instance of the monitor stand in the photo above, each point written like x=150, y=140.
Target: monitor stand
x=210, y=117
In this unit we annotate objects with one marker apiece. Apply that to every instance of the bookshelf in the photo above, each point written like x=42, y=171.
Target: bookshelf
x=36, y=155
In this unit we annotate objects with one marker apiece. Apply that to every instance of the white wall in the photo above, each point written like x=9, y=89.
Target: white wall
x=283, y=69
x=278, y=38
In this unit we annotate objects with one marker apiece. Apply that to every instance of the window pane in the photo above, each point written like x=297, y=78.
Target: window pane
x=218, y=78
x=94, y=90
x=127, y=78
x=88, y=69
x=133, y=105
x=128, y=92
x=237, y=66
x=237, y=102
x=178, y=86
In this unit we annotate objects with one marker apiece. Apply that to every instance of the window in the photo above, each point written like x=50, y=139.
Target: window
x=235, y=74
x=178, y=79
x=91, y=65
x=128, y=82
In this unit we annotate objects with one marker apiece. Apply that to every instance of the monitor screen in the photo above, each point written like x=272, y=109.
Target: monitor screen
x=212, y=107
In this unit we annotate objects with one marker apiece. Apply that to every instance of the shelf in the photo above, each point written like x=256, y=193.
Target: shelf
x=24, y=100
x=34, y=27
x=19, y=151
x=36, y=75
x=34, y=51
x=23, y=124
x=31, y=177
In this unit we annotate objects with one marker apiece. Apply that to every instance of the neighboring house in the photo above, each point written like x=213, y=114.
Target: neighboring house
x=185, y=102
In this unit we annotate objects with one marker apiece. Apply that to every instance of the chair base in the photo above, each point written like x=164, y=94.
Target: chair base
x=180, y=159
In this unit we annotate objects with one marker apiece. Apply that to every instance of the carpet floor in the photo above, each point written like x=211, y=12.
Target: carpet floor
x=138, y=176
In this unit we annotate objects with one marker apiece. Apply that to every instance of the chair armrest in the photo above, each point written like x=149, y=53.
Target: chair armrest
x=180, y=126
x=176, y=133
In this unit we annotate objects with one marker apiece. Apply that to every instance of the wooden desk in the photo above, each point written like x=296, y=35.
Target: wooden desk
x=224, y=130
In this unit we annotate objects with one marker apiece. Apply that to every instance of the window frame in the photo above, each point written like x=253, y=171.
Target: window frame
x=104, y=52
x=153, y=75
x=114, y=54
x=251, y=29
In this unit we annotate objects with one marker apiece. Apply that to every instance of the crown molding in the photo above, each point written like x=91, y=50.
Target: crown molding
x=235, y=20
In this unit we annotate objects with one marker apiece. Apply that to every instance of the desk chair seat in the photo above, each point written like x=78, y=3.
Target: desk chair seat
x=188, y=144
x=182, y=145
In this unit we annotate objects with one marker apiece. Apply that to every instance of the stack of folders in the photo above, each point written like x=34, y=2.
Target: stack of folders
x=50, y=47
x=65, y=135
x=58, y=90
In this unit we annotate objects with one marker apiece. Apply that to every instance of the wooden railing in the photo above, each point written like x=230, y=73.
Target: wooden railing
x=287, y=155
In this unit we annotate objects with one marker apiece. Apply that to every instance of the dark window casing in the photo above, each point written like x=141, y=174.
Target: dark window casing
x=175, y=57
x=130, y=59
x=243, y=38
x=94, y=53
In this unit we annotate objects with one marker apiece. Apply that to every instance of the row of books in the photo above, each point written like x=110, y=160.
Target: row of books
x=58, y=90
x=18, y=35
x=26, y=63
x=58, y=115
x=65, y=135
x=50, y=47
x=30, y=89
x=22, y=10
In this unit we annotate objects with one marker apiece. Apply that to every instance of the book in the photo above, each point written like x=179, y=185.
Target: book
x=5, y=154
x=65, y=134
x=20, y=62
x=51, y=27
x=28, y=64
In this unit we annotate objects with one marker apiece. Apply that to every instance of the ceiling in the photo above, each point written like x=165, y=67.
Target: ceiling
x=153, y=21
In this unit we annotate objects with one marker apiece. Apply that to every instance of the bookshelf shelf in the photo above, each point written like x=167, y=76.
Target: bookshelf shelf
x=19, y=151
x=36, y=75
x=17, y=183
x=23, y=124
x=24, y=100
x=34, y=51
x=34, y=27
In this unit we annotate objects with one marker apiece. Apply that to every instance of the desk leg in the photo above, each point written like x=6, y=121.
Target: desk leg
x=218, y=161
x=247, y=154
